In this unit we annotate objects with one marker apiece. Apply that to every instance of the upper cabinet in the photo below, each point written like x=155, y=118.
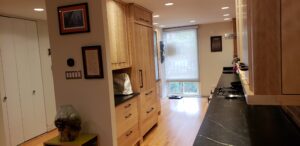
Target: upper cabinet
x=268, y=40
x=290, y=23
x=141, y=15
x=118, y=35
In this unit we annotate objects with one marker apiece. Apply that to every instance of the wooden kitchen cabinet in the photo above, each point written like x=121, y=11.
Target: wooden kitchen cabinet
x=118, y=34
x=290, y=28
x=271, y=46
x=143, y=69
x=142, y=15
x=127, y=123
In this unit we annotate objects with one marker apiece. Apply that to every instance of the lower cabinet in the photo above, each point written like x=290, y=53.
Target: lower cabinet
x=148, y=110
x=127, y=123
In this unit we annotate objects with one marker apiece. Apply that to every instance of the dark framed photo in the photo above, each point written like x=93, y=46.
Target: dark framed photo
x=216, y=43
x=92, y=62
x=73, y=19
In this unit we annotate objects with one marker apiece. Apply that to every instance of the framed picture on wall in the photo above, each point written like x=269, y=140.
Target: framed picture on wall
x=216, y=43
x=92, y=62
x=73, y=19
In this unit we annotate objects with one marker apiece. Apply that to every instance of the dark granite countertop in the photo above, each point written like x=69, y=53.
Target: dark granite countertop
x=119, y=99
x=233, y=122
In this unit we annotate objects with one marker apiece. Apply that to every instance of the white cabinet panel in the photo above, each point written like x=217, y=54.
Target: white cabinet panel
x=10, y=74
x=23, y=79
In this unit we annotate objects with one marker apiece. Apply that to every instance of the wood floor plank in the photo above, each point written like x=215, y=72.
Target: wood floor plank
x=179, y=122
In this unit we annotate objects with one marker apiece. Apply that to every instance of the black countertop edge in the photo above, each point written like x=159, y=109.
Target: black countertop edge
x=233, y=122
x=119, y=99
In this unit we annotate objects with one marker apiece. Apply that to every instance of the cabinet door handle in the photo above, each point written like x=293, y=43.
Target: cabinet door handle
x=141, y=78
x=149, y=93
x=127, y=106
x=129, y=133
x=150, y=110
x=128, y=116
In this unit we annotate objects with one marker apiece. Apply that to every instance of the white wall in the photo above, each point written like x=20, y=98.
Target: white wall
x=212, y=63
x=93, y=98
x=46, y=65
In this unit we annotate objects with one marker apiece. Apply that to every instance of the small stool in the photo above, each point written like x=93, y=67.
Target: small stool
x=81, y=140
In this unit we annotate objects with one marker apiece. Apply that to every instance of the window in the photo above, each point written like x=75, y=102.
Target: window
x=181, y=62
x=183, y=88
x=156, y=56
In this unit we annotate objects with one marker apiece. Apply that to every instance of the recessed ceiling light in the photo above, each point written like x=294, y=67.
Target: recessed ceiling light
x=193, y=21
x=227, y=19
x=225, y=15
x=162, y=26
x=38, y=9
x=155, y=16
x=155, y=23
x=224, y=8
x=169, y=4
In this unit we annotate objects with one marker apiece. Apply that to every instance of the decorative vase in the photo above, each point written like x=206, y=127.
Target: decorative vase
x=68, y=123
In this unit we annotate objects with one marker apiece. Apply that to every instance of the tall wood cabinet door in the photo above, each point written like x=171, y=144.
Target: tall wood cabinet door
x=290, y=46
x=119, y=48
x=150, y=56
x=144, y=57
x=140, y=46
x=10, y=75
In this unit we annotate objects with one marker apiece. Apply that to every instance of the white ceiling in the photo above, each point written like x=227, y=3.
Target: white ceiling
x=180, y=14
x=183, y=11
x=22, y=8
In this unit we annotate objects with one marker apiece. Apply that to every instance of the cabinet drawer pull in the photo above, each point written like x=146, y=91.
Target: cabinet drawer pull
x=127, y=106
x=128, y=116
x=129, y=133
x=150, y=110
x=149, y=93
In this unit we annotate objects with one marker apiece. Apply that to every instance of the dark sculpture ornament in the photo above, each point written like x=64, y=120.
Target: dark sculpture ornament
x=68, y=123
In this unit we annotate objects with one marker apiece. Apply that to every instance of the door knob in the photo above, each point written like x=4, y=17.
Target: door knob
x=4, y=99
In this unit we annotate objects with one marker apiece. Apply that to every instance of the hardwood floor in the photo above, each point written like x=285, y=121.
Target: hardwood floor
x=178, y=124
x=39, y=141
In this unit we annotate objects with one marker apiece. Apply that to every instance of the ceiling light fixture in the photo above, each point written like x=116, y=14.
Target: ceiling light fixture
x=226, y=19
x=38, y=9
x=225, y=15
x=155, y=23
x=225, y=8
x=169, y=4
x=155, y=16
x=193, y=21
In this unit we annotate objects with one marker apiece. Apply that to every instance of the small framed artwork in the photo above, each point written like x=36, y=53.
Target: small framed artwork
x=216, y=43
x=92, y=62
x=73, y=19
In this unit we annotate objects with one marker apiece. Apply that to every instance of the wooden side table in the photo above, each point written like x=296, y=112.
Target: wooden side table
x=81, y=140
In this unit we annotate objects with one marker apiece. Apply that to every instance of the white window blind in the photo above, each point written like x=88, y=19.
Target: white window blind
x=181, y=54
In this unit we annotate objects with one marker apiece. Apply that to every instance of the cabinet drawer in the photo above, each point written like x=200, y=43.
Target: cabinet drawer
x=148, y=97
x=130, y=137
x=126, y=116
x=149, y=120
x=142, y=15
x=148, y=111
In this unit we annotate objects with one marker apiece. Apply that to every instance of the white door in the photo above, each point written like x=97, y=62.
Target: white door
x=10, y=73
x=22, y=79
x=30, y=78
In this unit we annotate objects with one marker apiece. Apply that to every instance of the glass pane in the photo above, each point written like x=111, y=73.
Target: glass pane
x=190, y=87
x=175, y=87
